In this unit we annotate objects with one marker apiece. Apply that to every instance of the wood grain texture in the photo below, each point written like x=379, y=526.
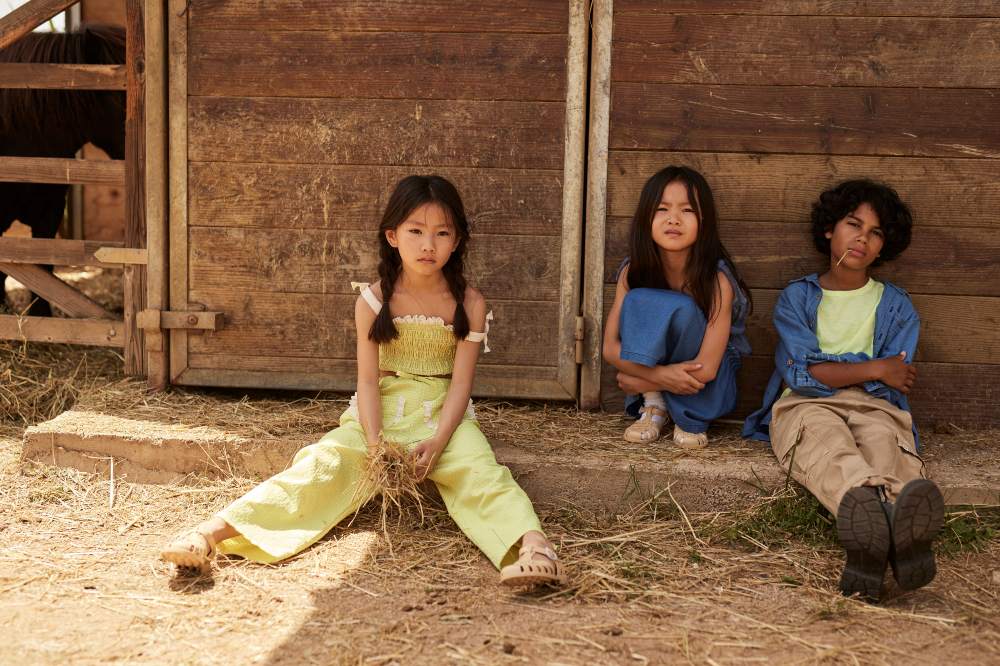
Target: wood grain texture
x=96, y=332
x=134, y=276
x=429, y=133
x=507, y=201
x=322, y=326
x=842, y=51
x=61, y=171
x=633, y=9
x=37, y=76
x=953, y=329
x=940, y=260
x=53, y=251
x=22, y=20
x=842, y=121
x=491, y=380
x=761, y=187
x=325, y=262
x=398, y=65
x=528, y=16
x=58, y=293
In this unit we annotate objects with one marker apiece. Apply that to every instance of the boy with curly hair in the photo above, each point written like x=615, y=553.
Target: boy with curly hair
x=835, y=410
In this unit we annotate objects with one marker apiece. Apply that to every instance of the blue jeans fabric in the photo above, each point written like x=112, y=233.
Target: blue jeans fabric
x=660, y=327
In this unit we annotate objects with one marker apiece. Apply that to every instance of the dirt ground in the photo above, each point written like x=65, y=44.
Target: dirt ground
x=649, y=583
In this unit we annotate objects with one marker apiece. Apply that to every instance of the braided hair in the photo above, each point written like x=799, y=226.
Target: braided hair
x=411, y=193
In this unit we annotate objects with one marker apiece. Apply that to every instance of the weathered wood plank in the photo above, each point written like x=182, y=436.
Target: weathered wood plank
x=58, y=293
x=940, y=260
x=157, y=242
x=844, y=51
x=37, y=76
x=528, y=16
x=629, y=9
x=953, y=329
x=852, y=121
x=325, y=262
x=940, y=388
x=53, y=251
x=528, y=382
x=61, y=171
x=177, y=160
x=134, y=275
x=98, y=332
x=322, y=326
x=399, y=65
x=27, y=17
x=782, y=188
x=431, y=133
x=508, y=201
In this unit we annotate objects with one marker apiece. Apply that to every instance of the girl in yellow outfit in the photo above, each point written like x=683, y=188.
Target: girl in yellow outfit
x=414, y=381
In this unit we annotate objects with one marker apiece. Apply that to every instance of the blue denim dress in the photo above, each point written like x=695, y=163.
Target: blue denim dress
x=660, y=327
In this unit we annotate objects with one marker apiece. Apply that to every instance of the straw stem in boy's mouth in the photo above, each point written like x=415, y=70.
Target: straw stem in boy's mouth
x=843, y=256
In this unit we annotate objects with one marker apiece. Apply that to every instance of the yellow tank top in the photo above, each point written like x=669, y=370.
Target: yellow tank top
x=845, y=320
x=425, y=345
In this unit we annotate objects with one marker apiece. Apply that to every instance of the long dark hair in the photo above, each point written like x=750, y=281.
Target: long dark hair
x=700, y=274
x=411, y=193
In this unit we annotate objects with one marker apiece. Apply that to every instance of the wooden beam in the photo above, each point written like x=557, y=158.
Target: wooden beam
x=66, y=298
x=27, y=17
x=98, y=332
x=203, y=321
x=37, y=76
x=57, y=252
x=134, y=277
x=116, y=256
x=61, y=171
x=177, y=161
x=157, y=286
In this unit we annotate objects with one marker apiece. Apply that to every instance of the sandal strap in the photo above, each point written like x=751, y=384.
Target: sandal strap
x=528, y=551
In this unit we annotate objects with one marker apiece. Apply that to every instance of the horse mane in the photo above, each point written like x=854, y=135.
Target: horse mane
x=31, y=111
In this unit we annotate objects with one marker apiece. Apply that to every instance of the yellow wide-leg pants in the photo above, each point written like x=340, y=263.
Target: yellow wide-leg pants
x=293, y=509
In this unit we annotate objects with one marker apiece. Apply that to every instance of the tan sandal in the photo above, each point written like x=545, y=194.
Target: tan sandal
x=193, y=549
x=528, y=571
x=647, y=429
x=690, y=440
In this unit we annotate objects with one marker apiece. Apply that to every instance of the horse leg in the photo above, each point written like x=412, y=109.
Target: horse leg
x=50, y=206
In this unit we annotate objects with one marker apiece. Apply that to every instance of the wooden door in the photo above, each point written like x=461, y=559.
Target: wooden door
x=290, y=123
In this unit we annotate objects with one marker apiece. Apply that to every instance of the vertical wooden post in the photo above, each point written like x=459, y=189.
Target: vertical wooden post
x=597, y=196
x=135, y=195
x=157, y=285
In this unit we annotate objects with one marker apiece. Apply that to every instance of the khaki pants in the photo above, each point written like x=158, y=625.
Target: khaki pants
x=849, y=439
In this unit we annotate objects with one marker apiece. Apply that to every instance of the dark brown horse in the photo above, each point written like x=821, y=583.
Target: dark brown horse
x=57, y=123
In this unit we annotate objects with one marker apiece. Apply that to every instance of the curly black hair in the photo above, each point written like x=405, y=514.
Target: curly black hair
x=839, y=201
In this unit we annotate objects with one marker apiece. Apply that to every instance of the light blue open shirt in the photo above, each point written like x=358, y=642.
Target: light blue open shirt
x=897, y=328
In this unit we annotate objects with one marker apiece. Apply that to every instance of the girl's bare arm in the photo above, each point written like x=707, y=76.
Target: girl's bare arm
x=713, y=345
x=466, y=355
x=369, y=400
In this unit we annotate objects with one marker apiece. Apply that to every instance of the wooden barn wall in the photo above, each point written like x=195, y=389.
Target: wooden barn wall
x=301, y=118
x=775, y=101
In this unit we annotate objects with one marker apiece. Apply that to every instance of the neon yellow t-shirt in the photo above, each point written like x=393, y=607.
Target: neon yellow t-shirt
x=845, y=320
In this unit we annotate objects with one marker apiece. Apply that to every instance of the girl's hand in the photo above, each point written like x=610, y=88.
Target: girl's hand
x=633, y=385
x=897, y=373
x=676, y=378
x=426, y=454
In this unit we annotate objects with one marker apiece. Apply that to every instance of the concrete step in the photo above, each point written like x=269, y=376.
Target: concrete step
x=722, y=477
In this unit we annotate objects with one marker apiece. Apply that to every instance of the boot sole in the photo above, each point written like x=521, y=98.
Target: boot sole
x=864, y=534
x=918, y=517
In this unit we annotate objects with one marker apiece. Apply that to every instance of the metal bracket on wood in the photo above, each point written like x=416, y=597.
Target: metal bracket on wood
x=578, y=334
x=160, y=320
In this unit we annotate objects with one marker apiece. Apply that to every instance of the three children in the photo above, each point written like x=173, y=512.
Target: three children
x=835, y=410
